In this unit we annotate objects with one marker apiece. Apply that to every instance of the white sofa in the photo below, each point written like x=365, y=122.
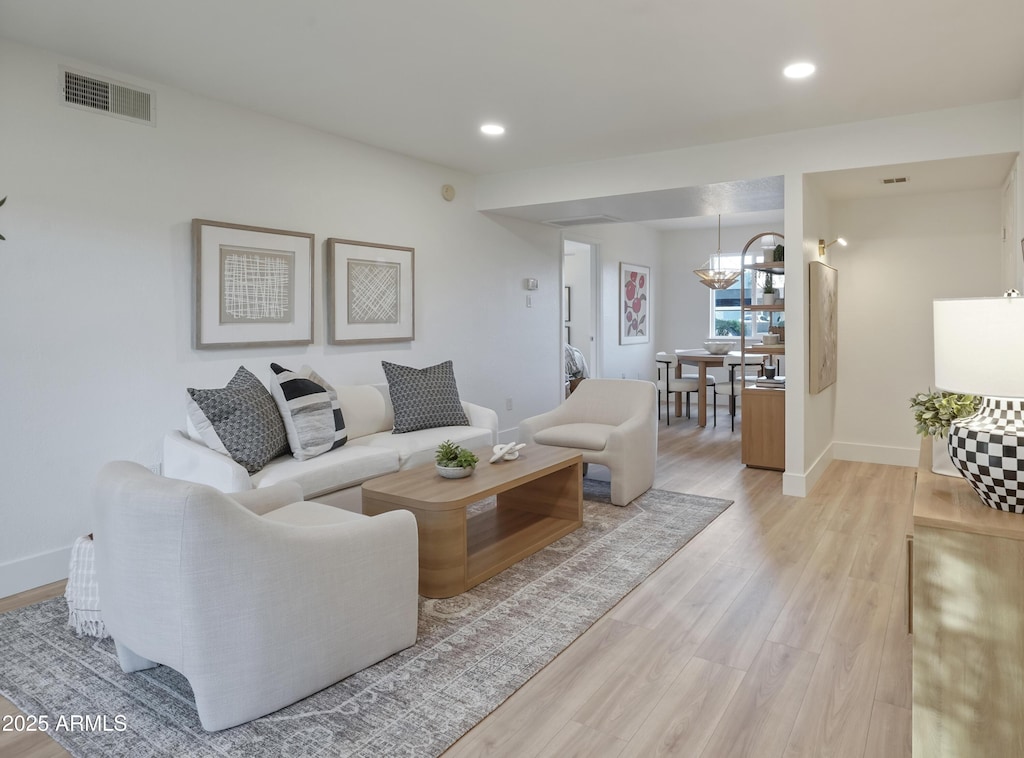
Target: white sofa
x=333, y=477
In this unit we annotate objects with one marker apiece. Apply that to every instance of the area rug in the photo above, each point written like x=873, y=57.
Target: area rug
x=473, y=652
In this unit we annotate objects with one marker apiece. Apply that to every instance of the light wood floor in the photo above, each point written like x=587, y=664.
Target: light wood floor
x=780, y=630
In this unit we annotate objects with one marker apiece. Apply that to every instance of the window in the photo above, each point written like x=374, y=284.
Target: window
x=725, y=304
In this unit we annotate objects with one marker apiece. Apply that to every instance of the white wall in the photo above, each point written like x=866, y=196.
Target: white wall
x=96, y=284
x=815, y=416
x=624, y=243
x=904, y=252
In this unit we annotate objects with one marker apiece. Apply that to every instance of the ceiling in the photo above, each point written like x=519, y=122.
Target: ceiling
x=571, y=80
x=760, y=202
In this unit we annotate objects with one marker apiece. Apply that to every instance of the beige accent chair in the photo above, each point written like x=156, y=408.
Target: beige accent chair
x=614, y=423
x=259, y=599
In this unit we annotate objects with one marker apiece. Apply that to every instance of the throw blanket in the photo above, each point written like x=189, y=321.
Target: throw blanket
x=575, y=364
x=83, y=593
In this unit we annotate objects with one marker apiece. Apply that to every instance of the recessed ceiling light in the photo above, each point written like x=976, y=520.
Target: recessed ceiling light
x=493, y=129
x=798, y=70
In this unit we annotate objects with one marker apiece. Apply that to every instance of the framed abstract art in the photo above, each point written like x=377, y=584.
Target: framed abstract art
x=370, y=292
x=252, y=286
x=824, y=320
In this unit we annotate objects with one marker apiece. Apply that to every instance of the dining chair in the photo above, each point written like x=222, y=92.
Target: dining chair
x=686, y=384
x=751, y=366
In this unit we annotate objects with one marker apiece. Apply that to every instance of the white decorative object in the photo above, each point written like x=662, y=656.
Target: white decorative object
x=508, y=452
x=718, y=347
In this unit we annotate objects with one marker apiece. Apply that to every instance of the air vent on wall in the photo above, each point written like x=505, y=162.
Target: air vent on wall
x=896, y=180
x=582, y=220
x=107, y=96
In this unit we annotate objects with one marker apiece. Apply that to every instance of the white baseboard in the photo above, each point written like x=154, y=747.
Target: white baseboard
x=34, y=571
x=794, y=485
x=799, y=485
x=885, y=454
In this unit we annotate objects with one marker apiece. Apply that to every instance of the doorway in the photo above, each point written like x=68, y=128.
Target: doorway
x=580, y=297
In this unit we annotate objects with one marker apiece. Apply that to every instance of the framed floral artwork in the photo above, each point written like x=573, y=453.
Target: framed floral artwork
x=370, y=289
x=253, y=286
x=634, y=304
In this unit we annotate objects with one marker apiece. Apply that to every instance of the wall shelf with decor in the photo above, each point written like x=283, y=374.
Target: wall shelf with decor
x=763, y=426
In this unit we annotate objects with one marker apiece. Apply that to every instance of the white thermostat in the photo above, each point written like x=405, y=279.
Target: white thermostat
x=530, y=284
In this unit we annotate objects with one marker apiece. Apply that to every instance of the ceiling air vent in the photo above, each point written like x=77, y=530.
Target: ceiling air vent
x=583, y=220
x=107, y=96
x=895, y=180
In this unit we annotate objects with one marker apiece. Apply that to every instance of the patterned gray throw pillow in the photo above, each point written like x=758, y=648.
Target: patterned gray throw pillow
x=424, y=398
x=245, y=418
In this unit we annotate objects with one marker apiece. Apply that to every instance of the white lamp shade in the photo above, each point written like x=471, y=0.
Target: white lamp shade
x=979, y=346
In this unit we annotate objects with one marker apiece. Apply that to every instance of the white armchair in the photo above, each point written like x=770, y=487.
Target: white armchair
x=612, y=422
x=259, y=599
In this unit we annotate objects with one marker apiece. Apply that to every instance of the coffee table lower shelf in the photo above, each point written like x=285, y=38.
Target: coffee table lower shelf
x=496, y=539
x=538, y=500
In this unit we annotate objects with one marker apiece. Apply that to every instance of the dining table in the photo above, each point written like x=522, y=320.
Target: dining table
x=703, y=360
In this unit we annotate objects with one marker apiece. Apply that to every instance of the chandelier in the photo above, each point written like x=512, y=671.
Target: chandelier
x=713, y=275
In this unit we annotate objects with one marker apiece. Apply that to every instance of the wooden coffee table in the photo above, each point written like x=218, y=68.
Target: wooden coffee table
x=539, y=499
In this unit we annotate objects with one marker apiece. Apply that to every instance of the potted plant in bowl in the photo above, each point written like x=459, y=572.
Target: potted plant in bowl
x=454, y=462
x=933, y=410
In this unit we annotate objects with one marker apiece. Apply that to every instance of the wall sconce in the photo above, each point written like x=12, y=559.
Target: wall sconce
x=822, y=247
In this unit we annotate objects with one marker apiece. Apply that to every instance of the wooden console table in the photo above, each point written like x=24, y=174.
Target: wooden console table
x=968, y=621
x=539, y=499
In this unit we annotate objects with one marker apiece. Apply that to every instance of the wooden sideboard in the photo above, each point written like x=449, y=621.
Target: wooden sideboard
x=968, y=621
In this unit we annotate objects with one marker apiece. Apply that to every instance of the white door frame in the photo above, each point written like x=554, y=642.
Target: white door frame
x=594, y=359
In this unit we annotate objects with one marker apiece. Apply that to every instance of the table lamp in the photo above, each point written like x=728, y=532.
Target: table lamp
x=979, y=350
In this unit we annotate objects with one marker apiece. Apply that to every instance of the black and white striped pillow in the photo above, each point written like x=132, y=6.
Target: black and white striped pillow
x=310, y=411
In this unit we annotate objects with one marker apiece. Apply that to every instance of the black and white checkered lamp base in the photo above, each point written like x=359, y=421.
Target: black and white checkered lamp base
x=988, y=450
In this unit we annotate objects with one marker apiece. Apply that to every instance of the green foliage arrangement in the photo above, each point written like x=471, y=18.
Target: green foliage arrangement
x=779, y=254
x=933, y=410
x=451, y=455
